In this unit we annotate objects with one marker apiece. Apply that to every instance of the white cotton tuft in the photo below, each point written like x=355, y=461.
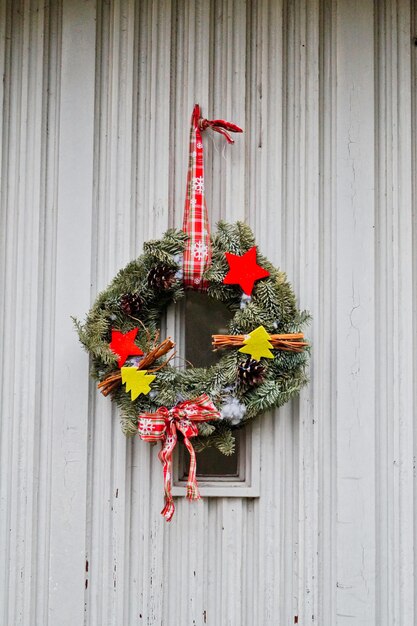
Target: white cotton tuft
x=244, y=301
x=178, y=258
x=133, y=361
x=233, y=410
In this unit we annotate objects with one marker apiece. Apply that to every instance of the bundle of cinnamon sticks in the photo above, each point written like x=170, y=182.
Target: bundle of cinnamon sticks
x=114, y=379
x=291, y=342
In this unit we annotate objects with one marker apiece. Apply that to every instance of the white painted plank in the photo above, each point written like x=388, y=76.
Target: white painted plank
x=299, y=257
x=414, y=260
x=72, y=291
x=323, y=91
x=108, y=481
x=355, y=154
x=394, y=289
x=22, y=212
x=325, y=324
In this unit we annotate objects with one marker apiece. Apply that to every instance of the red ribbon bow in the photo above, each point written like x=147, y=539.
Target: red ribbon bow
x=163, y=425
x=220, y=126
x=197, y=252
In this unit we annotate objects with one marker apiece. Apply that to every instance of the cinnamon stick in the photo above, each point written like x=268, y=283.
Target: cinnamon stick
x=290, y=342
x=114, y=379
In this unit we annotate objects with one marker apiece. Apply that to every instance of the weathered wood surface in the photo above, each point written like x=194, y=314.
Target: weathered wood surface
x=96, y=100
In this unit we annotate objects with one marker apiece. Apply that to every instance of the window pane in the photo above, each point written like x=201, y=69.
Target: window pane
x=212, y=462
x=214, y=466
x=204, y=317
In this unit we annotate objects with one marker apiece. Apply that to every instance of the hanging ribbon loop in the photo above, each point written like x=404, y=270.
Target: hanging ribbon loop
x=220, y=126
x=197, y=252
x=163, y=426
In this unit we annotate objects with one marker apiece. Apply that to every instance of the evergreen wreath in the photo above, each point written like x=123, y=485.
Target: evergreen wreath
x=241, y=387
x=161, y=402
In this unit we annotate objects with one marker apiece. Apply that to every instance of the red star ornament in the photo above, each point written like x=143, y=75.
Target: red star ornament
x=123, y=344
x=244, y=270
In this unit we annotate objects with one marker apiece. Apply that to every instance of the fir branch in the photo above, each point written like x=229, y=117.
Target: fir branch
x=224, y=441
x=273, y=305
x=205, y=429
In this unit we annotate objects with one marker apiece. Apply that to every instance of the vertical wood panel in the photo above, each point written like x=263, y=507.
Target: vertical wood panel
x=414, y=263
x=355, y=308
x=113, y=221
x=393, y=290
x=151, y=196
x=46, y=305
x=28, y=58
x=72, y=294
x=325, y=322
x=96, y=102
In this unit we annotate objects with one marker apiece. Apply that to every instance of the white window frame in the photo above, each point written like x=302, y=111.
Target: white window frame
x=249, y=486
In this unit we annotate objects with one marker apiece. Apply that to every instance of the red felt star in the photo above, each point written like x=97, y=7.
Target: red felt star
x=123, y=344
x=244, y=270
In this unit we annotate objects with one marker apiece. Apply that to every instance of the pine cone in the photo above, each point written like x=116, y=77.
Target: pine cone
x=161, y=277
x=251, y=372
x=130, y=303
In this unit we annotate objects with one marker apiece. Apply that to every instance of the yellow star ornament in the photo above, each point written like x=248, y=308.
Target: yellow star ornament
x=137, y=381
x=258, y=344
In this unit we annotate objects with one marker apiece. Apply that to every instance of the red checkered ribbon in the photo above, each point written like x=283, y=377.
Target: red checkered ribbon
x=197, y=253
x=163, y=425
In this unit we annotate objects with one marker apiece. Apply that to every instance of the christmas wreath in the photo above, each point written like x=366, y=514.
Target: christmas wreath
x=262, y=359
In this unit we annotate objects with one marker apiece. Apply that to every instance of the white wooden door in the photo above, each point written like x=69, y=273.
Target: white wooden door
x=96, y=100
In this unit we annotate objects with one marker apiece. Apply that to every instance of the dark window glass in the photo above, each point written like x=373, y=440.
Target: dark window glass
x=213, y=462
x=214, y=466
x=205, y=317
